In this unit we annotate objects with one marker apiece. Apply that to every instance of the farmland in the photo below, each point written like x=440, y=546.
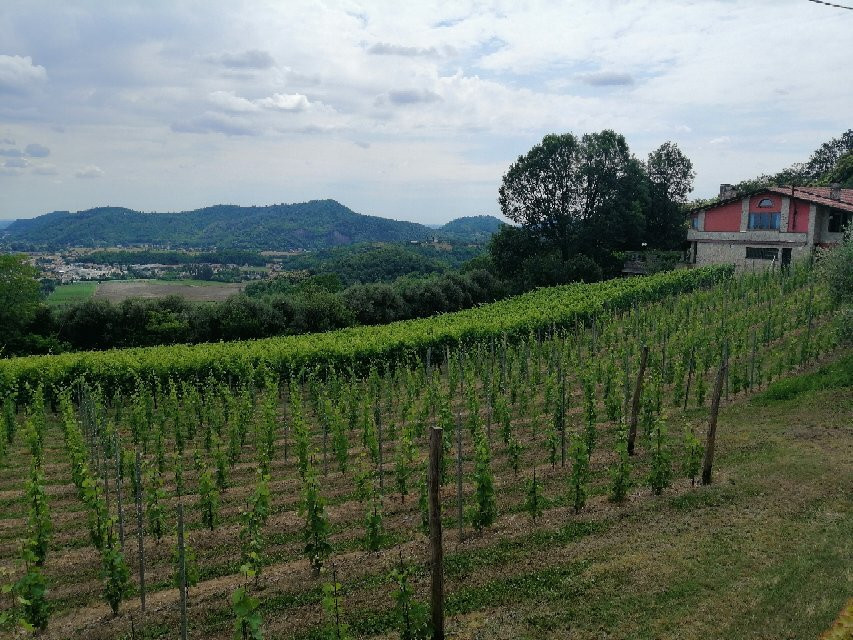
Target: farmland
x=192, y=290
x=615, y=544
x=118, y=290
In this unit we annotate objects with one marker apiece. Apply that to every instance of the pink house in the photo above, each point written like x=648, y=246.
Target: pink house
x=769, y=226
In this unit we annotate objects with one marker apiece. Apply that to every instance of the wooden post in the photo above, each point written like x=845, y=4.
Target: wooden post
x=752, y=362
x=561, y=411
x=378, y=420
x=690, y=367
x=182, y=569
x=712, y=422
x=459, y=506
x=436, y=550
x=635, y=402
x=118, y=494
x=626, y=387
x=139, y=531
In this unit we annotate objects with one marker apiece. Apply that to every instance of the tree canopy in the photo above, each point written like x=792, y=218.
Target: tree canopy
x=589, y=196
x=20, y=298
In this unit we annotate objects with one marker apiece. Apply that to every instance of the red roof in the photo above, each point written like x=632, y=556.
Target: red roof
x=818, y=195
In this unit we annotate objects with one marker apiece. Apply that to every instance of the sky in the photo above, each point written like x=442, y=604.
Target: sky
x=408, y=110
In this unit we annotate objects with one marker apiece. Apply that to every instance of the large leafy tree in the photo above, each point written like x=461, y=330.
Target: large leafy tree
x=670, y=175
x=20, y=297
x=581, y=195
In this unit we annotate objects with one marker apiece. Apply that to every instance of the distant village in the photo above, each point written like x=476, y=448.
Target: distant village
x=72, y=266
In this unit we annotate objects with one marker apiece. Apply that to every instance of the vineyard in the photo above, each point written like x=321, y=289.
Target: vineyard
x=283, y=481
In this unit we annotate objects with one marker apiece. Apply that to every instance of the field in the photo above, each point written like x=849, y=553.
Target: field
x=191, y=290
x=118, y=290
x=73, y=293
x=762, y=552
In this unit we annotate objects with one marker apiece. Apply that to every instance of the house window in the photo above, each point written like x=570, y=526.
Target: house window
x=764, y=220
x=765, y=203
x=694, y=222
x=838, y=220
x=762, y=253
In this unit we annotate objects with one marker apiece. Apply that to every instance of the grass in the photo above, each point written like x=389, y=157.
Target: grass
x=833, y=376
x=65, y=294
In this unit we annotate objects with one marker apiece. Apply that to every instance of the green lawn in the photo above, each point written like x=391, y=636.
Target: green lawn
x=70, y=293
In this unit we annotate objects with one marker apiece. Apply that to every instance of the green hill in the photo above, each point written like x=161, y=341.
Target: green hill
x=310, y=225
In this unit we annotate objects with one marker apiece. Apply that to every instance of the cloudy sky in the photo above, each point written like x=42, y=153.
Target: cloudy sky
x=405, y=110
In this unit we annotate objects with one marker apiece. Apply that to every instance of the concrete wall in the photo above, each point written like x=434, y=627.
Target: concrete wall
x=735, y=253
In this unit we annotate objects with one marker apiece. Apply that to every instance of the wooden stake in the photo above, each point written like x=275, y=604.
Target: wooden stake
x=436, y=549
x=459, y=506
x=635, y=402
x=118, y=494
x=690, y=367
x=139, y=531
x=182, y=569
x=712, y=423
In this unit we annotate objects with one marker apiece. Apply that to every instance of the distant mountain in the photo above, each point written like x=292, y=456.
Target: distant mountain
x=5, y=223
x=475, y=228
x=309, y=225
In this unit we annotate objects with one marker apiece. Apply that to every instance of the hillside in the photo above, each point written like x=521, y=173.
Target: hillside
x=478, y=228
x=309, y=225
x=546, y=522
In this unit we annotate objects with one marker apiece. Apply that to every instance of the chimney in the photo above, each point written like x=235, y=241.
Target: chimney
x=835, y=191
x=727, y=191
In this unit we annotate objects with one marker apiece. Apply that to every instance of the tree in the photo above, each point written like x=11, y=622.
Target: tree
x=670, y=175
x=20, y=295
x=582, y=195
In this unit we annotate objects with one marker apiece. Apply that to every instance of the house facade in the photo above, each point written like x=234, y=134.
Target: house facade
x=772, y=226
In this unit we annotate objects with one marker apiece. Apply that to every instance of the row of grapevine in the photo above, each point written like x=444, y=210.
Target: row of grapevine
x=549, y=409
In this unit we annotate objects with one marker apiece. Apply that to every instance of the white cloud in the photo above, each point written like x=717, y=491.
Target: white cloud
x=469, y=84
x=18, y=74
x=89, y=171
x=227, y=101
x=285, y=102
x=15, y=163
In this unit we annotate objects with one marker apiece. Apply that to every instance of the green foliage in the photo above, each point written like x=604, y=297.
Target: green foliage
x=620, y=470
x=30, y=591
x=693, y=452
x=20, y=298
x=191, y=570
x=412, y=617
x=836, y=267
x=334, y=628
x=579, y=476
x=484, y=511
x=301, y=434
x=660, y=467
x=155, y=497
x=534, y=502
x=589, y=410
x=517, y=316
x=39, y=527
x=247, y=618
x=116, y=575
x=316, y=532
x=403, y=462
x=374, y=532
x=208, y=499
